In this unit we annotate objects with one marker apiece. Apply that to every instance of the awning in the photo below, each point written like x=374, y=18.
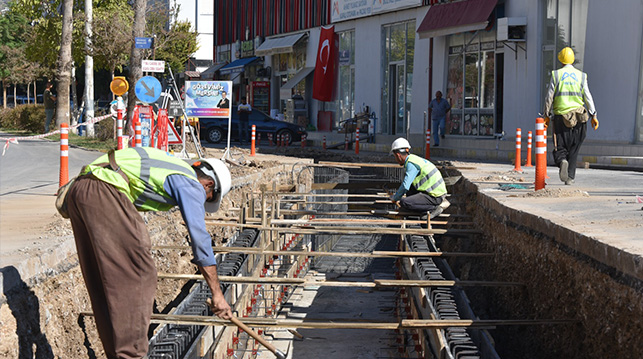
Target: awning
x=192, y=74
x=279, y=45
x=237, y=66
x=208, y=74
x=286, y=90
x=456, y=17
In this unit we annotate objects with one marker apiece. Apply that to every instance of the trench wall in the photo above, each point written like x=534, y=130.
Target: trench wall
x=561, y=282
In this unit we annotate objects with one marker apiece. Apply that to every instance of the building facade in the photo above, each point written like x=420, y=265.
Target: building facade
x=490, y=58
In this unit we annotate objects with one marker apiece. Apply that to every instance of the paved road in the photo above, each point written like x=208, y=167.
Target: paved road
x=29, y=177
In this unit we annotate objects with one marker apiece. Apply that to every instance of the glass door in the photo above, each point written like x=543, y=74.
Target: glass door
x=397, y=98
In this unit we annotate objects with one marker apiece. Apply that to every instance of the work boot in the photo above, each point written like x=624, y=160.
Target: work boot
x=436, y=212
x=562, y=173
x=569, y=182
x=445, y=204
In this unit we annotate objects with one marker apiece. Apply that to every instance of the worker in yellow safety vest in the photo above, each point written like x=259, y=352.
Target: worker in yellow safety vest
x=572, y=104
x=423, y=183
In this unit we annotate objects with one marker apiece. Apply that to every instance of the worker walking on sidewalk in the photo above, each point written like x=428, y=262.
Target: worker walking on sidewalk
x=438, y=109
x=113, y=244
x=423, y=183
x=568, y=93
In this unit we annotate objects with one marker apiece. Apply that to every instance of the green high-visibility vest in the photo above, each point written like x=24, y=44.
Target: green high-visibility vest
x=569, y=89
x=429, y=180
x=146, y=168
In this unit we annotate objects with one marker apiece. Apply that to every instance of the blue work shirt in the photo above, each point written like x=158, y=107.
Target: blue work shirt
x=190, y=196
x=439, y=108
x=411, y=171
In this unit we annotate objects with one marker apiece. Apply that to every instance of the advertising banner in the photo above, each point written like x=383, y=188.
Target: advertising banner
x=342, y=10
x=208, y=98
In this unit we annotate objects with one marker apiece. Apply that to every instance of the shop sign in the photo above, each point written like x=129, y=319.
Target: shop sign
x=247, y=48
x=342, y=10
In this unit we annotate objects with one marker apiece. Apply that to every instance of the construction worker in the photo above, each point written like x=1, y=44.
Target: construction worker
x=113, y=243
x=423, y=184
x=569, y=94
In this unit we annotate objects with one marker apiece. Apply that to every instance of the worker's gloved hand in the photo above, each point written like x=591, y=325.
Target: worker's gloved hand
x=547, y=121
x=595, y=123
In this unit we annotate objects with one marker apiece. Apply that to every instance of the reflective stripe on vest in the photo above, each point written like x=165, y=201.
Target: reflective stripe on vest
x=569, y=90
x=147, y=168
x=429, y=180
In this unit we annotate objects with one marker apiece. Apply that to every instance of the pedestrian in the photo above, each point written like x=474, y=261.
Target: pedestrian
x=244, y=110
x=423, y=183
x=49, y=100
x=572, y=104
x=438, y=109
x=114, y=245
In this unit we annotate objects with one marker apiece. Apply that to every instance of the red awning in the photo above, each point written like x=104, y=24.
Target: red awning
x=456, y=17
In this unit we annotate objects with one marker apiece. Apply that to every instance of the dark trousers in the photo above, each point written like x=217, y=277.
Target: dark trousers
x=114, y=251
x=568, y=142
x=243, y=130
x=419, y=201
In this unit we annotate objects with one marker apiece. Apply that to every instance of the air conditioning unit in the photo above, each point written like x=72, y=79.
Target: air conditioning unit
x=512, y=29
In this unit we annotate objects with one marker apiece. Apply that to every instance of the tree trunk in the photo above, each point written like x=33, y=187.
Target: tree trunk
x=89, y=70
x=64, y=66
x=135, y=72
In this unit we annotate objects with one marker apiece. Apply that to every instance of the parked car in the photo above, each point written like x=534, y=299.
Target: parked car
x=214, y=130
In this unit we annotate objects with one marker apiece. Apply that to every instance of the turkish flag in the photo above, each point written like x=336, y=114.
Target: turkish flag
x=326, y=65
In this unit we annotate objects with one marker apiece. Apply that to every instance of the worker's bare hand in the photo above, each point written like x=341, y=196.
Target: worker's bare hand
x=220, y=307
x=547, y=122
x=595, y=123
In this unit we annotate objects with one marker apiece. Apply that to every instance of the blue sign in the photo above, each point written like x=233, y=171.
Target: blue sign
x=148, y=89
x=143, y=42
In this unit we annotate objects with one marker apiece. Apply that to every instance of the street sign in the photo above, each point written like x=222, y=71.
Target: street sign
x=148, y=89
x=173, y=137
x=143, y=42
x=119, y=85
x=174, y=108
x=153, y=66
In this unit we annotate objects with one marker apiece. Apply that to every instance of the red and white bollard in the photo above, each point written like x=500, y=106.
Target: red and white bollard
x=427, y=148
x=303, y=141
x=270, y=139
x=64, y=155
x=517, y=167
x=138, y=140
x=528, y=163
x=120, y=110
x=541, y=154
x=252, y=140
x=346, y=143
x=324, y=143
x=357, y=141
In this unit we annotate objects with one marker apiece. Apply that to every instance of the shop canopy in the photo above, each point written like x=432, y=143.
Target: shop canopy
x=237, y=66
x=286, y=90
x=279, y=45
x=208, y=74
x=456, y=17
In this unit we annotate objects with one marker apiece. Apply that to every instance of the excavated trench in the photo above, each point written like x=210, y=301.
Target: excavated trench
x=44, y=320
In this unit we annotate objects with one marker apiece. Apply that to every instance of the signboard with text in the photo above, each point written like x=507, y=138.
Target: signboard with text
x=153, y=66
x=143, y=42
x=208, y=98
x=342, y=10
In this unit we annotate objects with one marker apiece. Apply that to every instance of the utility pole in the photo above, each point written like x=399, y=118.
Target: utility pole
x=89, y=70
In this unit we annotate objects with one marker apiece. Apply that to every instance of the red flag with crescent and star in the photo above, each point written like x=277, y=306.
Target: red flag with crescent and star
x=326, y=65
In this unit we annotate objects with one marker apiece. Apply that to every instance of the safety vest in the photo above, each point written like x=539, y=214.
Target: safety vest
x=146, y=168
x=568, y=83
x=429, y=180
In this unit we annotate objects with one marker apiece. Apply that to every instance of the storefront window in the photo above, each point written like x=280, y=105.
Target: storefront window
x=471, y=84
x=398, y=51
x=345, y=103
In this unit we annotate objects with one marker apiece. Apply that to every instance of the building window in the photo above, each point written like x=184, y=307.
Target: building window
x=471, y=84
x=345, y=103
x=398, y=48
x=565, y=23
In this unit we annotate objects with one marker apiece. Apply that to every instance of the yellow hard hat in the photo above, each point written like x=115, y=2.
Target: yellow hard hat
x=566, y=56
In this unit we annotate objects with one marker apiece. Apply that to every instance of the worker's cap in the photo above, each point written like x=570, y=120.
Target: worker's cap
x=400, y=143
x=220, y=173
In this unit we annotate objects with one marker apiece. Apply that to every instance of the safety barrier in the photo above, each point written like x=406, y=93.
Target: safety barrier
x=528, y=163
x=324, y=143
x=119, y=123
x=357, y=141
x=517, y=167
x=252, y=140
x=64, y=154
x=138, y=141
x=303, y=141
x=541, y=154
x=427, y=147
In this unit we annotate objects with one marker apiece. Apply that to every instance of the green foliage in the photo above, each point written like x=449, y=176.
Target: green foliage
x=177, y=46
x=112, y=35
x=30, y=118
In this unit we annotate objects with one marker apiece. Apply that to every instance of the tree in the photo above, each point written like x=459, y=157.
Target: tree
x=135, y=71
x=64, y=65
x=112, y=36
x=13, y=27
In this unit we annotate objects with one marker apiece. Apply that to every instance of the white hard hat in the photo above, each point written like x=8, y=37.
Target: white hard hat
x=216, y=169
x=399, y=144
